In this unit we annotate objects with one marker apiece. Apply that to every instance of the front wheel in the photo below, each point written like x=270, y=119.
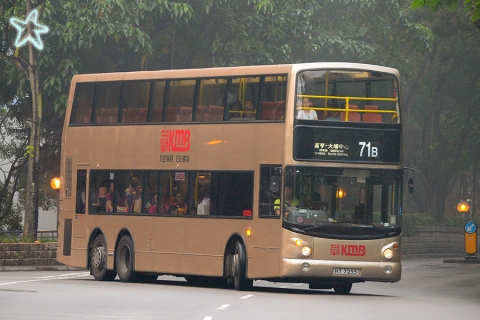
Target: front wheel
x=98, y=260
x=239, y=269
x=343, y=288
x=125, y=259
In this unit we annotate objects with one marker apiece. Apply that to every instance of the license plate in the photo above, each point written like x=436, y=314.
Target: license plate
x=346, y=271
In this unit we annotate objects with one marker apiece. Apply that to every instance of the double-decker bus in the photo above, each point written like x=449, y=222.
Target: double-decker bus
x=217, y=175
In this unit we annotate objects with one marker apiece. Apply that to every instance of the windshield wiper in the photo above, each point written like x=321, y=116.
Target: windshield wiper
x=316, y=226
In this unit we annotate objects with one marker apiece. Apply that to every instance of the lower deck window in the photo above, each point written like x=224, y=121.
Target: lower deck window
x=206, y=193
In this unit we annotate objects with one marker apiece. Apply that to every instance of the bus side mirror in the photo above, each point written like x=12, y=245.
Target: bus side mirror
x=410, y=185
x=274, y=183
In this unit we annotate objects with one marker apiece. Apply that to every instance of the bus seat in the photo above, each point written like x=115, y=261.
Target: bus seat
x=268, y=110
x=141, y=115
x=102, y=192
x=352, y=116
x=100, y=115
x=172, y=113
x=111, y=115
x=156, y=115
x=185, y=114
x=82, y=116
x=129, y=115
x=280, y=110
x=201, y=115
x=215, y=113
x=370, y=116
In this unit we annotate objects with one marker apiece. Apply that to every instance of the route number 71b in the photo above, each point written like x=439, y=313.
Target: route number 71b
x=371, y=152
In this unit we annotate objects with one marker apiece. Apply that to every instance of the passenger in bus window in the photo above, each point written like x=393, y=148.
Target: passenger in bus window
x=134, y=198
x=109, y=197
x=94, y=201
x=307, y=114
x=250, y=110
x=153, y=207
x=165, y=203
x=180, y=207
x=81, y=197
x=333, y=115
x=203, y=208
x=235, y=110
x=288, y=201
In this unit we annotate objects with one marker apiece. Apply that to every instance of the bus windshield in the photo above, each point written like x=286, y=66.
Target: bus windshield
x=347, y=95
x=322, y=201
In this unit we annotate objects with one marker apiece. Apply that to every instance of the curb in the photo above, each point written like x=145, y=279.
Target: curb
x=40, y=268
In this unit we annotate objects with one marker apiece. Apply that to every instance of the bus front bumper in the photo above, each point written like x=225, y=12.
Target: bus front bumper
x=353, y=271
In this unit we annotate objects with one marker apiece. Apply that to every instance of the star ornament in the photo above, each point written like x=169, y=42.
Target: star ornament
x=23, y=36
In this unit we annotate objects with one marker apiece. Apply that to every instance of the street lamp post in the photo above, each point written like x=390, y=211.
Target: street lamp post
x=55, y=184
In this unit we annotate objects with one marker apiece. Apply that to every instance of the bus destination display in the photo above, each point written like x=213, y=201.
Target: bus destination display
x=346, y=144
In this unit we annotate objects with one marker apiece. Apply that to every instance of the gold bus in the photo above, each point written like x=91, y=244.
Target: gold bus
x=285, y=173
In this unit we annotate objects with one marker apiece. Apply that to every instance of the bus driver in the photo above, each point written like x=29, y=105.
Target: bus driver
x=289, y=200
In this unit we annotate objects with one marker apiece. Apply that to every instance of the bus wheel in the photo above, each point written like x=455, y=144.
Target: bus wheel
x=124, y=259
x=98, y=261
x=342, y=288
x=239, y=269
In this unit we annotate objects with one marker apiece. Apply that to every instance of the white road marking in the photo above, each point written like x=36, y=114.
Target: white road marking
x=223, y=307
x=247, y=296
x=61, y=276
x=208, y=318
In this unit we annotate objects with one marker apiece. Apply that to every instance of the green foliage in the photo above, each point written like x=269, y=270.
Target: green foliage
x=472, y=5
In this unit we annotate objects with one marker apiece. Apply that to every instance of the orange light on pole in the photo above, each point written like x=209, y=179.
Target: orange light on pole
x=340, y=193
x=55, y=183
x=463, y=206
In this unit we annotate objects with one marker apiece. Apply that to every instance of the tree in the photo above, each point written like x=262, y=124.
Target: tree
x=472, y=5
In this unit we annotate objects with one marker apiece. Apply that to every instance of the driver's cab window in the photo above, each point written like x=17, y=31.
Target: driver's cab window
x=270, y=186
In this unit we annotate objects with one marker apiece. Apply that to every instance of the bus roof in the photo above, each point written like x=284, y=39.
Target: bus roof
x=233, y=71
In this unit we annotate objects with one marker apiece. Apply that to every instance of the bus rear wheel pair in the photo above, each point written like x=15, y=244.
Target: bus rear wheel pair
x=124, y=261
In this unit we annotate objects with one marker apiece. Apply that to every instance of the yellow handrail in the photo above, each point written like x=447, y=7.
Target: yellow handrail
x=347, y=109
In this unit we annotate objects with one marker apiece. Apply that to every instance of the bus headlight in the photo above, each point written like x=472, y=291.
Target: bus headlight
x=388, y=253
x=306, y=251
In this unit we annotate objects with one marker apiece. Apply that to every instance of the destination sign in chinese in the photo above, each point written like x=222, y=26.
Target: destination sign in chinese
x=347, y=144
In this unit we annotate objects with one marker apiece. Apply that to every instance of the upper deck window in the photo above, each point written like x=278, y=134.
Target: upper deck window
x=245, y=98
x=347, y=95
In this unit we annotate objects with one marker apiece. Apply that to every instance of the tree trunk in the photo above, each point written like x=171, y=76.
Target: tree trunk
x=31, y=200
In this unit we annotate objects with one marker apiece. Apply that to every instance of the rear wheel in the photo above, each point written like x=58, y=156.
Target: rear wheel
x=343, y=288
x=98, y=260
x=239, y=269
x=125, y=259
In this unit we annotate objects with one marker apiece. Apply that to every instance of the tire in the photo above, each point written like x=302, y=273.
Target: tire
x=125, y=259
x=239, y=269
x=343, y=288
x=98, y=260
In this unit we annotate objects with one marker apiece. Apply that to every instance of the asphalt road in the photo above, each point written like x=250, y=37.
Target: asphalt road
x=429, y=289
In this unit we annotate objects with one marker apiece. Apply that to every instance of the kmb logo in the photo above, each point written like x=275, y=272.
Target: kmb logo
x=175, y=141
x=347, y=250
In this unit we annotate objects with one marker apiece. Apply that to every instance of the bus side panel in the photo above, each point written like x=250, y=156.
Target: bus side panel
x=264, y=258
x=159, y=243
x=206, y=241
